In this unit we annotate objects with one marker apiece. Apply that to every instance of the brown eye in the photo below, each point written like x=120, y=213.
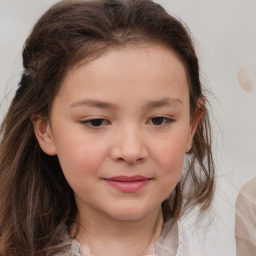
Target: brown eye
x=157, y=120
x=97, y=122
x=160, y=120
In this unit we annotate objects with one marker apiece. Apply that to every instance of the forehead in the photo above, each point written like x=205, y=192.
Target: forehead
x=148, y=67
x=154, y=52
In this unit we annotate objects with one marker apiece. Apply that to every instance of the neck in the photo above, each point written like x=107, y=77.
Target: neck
x=102, y=235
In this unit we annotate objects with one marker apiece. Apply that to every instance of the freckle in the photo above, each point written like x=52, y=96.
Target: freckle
x=245, y=81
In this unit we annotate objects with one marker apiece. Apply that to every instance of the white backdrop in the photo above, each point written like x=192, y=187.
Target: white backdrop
x=225, y=38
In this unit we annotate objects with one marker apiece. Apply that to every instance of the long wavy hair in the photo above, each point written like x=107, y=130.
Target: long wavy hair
x=36, y=201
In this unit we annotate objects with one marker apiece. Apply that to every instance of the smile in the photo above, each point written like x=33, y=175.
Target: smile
x=128, y=184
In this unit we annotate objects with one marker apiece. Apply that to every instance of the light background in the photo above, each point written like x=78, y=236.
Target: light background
x=225, y=37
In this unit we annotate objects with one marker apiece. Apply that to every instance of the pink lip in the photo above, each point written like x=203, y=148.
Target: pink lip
x=128, y=183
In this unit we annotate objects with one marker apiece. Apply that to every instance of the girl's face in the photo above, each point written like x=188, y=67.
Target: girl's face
x=120, y=126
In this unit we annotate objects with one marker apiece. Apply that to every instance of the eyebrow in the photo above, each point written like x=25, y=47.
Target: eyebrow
x=94, y=103
x=162, y=103
x=149, y=105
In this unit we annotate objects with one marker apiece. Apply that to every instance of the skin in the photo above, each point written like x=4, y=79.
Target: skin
x=125, y=113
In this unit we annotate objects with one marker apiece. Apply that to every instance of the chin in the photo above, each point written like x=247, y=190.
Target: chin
x=128, y=214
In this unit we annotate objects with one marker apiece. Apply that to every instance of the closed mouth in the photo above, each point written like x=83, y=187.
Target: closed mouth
x=128, y=178
x=128, y=184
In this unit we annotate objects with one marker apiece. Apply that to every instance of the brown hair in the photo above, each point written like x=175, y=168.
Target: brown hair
x=36, y=201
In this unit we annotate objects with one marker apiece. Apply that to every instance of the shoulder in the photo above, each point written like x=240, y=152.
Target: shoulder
x=245, y=227
x=247, y=194
x=180, y=239
x=250, y=186
x=191, y=239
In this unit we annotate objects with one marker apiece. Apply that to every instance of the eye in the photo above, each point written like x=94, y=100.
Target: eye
x=97, y=122
x=160, y=120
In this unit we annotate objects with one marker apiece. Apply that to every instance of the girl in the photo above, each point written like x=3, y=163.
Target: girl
x=93, y=145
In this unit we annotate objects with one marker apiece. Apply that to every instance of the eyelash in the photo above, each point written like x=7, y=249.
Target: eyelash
x=99, y=122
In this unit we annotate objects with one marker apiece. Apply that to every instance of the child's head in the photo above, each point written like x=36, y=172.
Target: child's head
x=75, y=40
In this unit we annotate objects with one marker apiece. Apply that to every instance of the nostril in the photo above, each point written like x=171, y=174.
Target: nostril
x=130, y=161
x=135, y=161
x=120, y=159
x=140, y=159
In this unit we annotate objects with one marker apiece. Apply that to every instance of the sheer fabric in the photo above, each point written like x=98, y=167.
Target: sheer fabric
x=245, y=230
x=176, y=240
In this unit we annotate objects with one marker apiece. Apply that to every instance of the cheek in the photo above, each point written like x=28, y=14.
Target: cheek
x=168, y=160
x=170, y=155
x=79, y=161
x=170, y=163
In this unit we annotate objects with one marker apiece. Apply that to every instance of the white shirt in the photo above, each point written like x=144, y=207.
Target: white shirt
x=176, y=239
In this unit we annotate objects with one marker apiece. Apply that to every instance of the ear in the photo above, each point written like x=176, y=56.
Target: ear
x=194, y=123
x=43, y=132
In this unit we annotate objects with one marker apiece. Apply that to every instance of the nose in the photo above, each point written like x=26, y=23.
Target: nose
x=129, y=146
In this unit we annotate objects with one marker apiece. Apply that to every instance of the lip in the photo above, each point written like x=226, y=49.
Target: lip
x=128, y=183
